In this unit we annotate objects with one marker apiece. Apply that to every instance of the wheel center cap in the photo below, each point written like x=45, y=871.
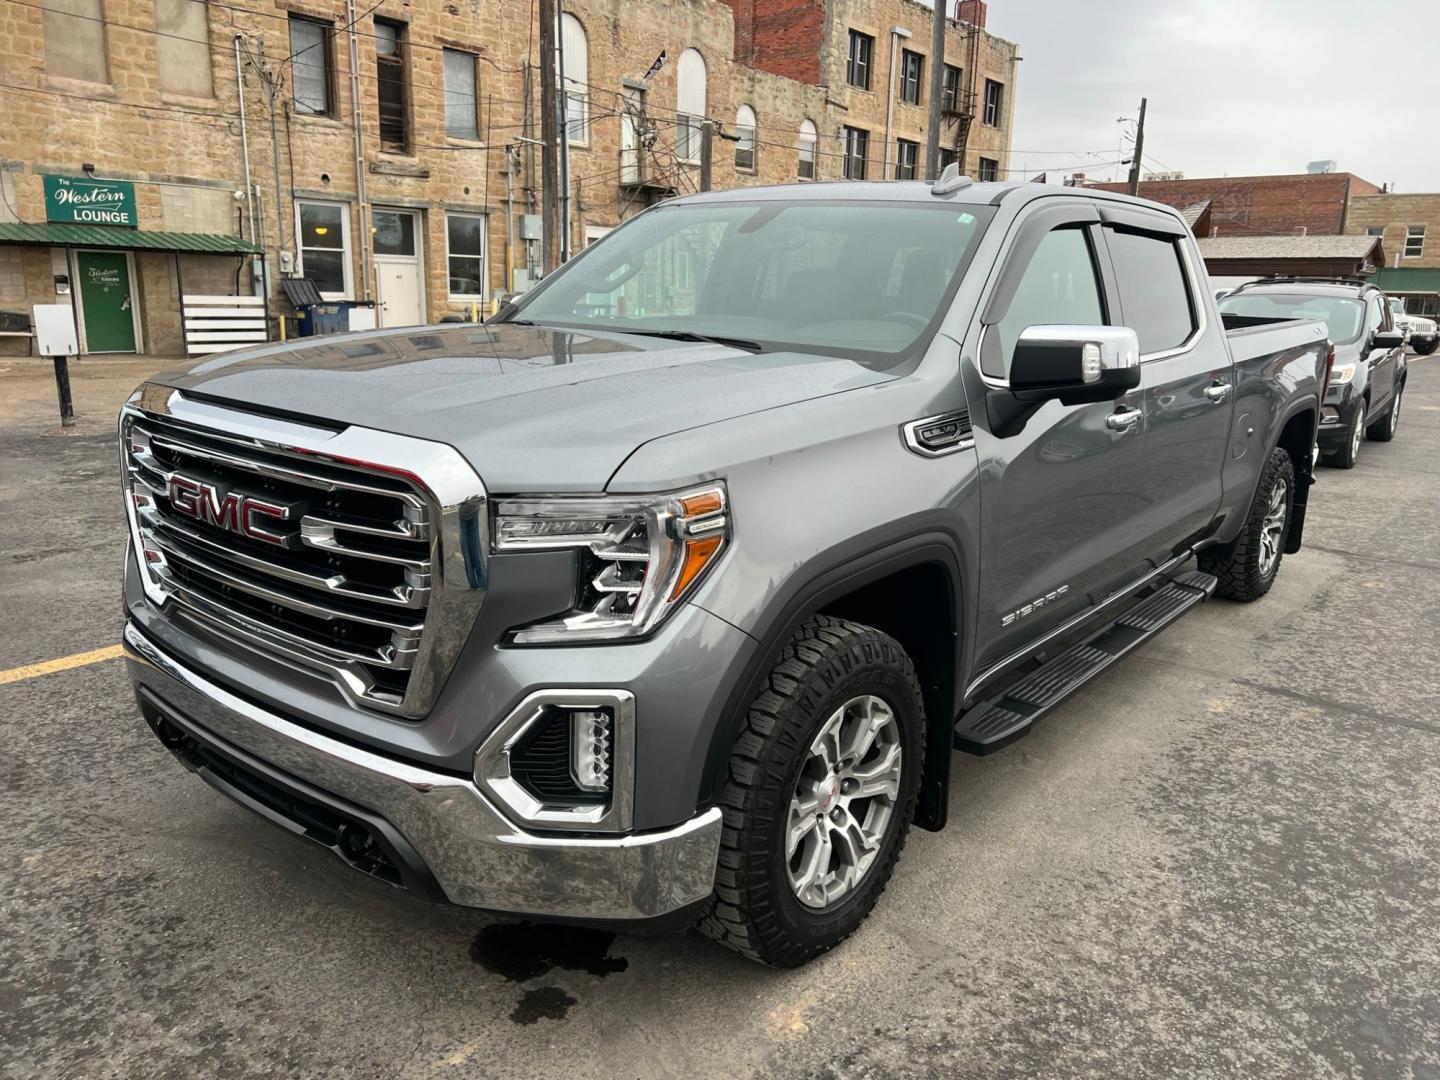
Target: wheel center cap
x=832, y=792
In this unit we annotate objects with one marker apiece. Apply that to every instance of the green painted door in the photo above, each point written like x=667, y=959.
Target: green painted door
x=105, y=299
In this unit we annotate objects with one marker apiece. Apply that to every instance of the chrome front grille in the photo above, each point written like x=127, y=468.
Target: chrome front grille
x=351, y=552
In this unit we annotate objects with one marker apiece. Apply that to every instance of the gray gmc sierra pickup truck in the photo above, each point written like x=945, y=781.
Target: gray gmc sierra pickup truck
x=665, y=597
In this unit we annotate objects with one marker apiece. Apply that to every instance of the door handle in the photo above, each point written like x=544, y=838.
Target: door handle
x=1123, y=420
x=1217, y=391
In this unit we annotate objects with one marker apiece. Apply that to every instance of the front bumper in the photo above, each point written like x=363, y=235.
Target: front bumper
x=474, y=854
x=1339, y=409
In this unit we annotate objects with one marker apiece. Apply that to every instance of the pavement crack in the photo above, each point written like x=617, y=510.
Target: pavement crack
x=1333, y=705
x=1422, y=564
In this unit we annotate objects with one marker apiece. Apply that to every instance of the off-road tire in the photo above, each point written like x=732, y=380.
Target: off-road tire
x=1383, y=429
x=754, y=910
x=1426, y=349
x=1347, y=455
x=1237, y=565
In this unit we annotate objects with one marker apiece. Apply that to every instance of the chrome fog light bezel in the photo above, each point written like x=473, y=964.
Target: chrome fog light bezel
x=611, y=812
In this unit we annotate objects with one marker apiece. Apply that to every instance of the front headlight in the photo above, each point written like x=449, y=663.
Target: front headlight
x=638, y=556
x=1342, y=373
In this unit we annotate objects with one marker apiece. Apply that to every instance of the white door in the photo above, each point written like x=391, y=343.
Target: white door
x=399, y=283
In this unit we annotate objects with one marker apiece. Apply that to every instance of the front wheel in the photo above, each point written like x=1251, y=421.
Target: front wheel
x=821, y=789
x=1383, y=430
x=1347, y=455
x=1246, y=567
x=1426, y=348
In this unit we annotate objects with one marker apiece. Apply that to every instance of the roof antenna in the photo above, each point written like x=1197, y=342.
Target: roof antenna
x=951, y=181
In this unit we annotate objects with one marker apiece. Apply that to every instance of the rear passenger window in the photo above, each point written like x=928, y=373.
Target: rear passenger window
x=1154, y=294
x=1059, y=287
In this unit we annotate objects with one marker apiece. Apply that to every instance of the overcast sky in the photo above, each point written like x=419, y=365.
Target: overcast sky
x=1236, y=87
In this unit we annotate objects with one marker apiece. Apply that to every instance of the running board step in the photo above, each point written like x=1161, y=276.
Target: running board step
x=1002, y=719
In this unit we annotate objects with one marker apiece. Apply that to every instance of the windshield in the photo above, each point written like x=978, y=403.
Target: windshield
x=863, y=280
x=1344, y=317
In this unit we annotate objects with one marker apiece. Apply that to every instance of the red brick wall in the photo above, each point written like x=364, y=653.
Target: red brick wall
x=780, y=36
x=971, y=11
x=1263, y=205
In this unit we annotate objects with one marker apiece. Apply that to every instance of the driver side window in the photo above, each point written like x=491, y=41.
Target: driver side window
x=1059, y=287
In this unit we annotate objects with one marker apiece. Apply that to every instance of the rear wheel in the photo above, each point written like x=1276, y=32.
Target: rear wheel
x=1383, y=430
x=821, y=789
x=1246, y=567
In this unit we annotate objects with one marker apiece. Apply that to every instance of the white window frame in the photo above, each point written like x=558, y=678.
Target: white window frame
x=1411, y=234
x=999, y=111
x=484, y=258
x=577, y=78
x=747, y=128
x=809, y=145
x=689, y=121
x=474, y=59
x=346, y=262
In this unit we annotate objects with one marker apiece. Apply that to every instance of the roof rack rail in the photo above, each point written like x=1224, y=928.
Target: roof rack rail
x=1296, y=279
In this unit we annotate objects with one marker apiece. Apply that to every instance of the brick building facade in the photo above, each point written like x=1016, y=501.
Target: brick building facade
x=406, y=176
x=1410, y=226
x=1314, y=203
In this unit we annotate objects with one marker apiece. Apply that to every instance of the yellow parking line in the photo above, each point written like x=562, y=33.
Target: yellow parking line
x=60, y=663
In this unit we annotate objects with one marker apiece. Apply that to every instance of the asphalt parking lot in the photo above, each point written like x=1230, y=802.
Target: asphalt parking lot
x=1219, y=860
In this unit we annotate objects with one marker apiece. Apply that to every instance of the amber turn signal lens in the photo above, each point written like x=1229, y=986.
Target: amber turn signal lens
x=697, y=554
x=707, y=502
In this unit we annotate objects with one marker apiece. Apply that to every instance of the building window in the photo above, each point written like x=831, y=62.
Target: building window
x=907, y=155
x=950, y=90
x=460, y=95
x=690, y=104
x=745, y=138
x=1375, y=230
x=1415, y=242
x=857, y=67
x=857, y=147
x=465, y=254
x=948, y=156
x=324, y=230
x=994, y=102
x=809, y=138
x=75, y=40
x=577, y=79
x=912, y=66
x=311, y=66
x=989, y=169
x=390, y=85
x=182, y=47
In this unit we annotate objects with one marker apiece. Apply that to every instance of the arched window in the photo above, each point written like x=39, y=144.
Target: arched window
x=690, y=103
x=577, y=78
x=745, y=129
x=809, y=138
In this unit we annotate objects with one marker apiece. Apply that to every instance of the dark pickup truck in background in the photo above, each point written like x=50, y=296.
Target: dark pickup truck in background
x=667, y=596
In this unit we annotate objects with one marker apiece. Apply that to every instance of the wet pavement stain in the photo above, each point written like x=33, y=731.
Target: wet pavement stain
x=542, y=1003
x=519, y=952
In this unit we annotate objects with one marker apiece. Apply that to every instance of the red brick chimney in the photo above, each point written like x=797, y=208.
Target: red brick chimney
x=972, y=11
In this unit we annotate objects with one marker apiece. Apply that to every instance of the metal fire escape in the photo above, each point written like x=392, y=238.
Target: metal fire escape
x=961, y=111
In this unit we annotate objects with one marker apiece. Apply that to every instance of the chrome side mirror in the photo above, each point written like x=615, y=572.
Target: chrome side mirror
x=1075, y=364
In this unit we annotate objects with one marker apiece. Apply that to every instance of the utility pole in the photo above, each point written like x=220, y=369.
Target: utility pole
x=1139, y=151
x=549, y=138
x=707, y=153
x=563, y=125
x=937, y=72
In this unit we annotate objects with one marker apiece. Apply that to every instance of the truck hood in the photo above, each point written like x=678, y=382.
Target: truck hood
x=532, y=409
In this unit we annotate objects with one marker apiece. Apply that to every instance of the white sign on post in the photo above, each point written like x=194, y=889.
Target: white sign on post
x=55, y=330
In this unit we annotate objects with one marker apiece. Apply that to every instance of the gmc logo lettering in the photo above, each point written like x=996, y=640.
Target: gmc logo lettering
x=229, y=510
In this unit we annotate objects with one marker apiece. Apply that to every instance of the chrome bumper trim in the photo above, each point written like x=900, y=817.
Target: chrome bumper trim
x=480, y=858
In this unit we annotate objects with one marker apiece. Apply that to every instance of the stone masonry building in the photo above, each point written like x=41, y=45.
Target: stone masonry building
x=389, y=149
x=1410, y=227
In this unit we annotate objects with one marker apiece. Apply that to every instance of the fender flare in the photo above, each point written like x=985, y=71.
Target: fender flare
x=1305, y=468
x=821, y=587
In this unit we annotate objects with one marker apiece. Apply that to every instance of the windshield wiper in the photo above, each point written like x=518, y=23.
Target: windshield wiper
x=691, y=335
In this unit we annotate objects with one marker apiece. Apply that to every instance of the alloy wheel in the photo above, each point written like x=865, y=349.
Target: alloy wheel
x=843, y=801
x=1357, y=435
x=1272, y=529
x=1395, y=411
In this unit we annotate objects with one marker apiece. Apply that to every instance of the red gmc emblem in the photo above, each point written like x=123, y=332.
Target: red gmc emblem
x=233, y=511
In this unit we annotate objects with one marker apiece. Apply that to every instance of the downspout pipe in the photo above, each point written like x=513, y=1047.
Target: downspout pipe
x=245, y=140
x=363, y=199
x=897, y=33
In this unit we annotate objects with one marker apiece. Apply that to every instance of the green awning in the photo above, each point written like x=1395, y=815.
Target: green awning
x=1404, y=280
x=107, y=236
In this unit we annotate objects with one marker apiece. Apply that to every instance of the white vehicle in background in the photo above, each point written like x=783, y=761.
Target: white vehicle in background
x=1421, y=334
x=1400, y=315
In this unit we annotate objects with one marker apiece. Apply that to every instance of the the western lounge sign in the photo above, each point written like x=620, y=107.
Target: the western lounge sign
x=90, y=202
